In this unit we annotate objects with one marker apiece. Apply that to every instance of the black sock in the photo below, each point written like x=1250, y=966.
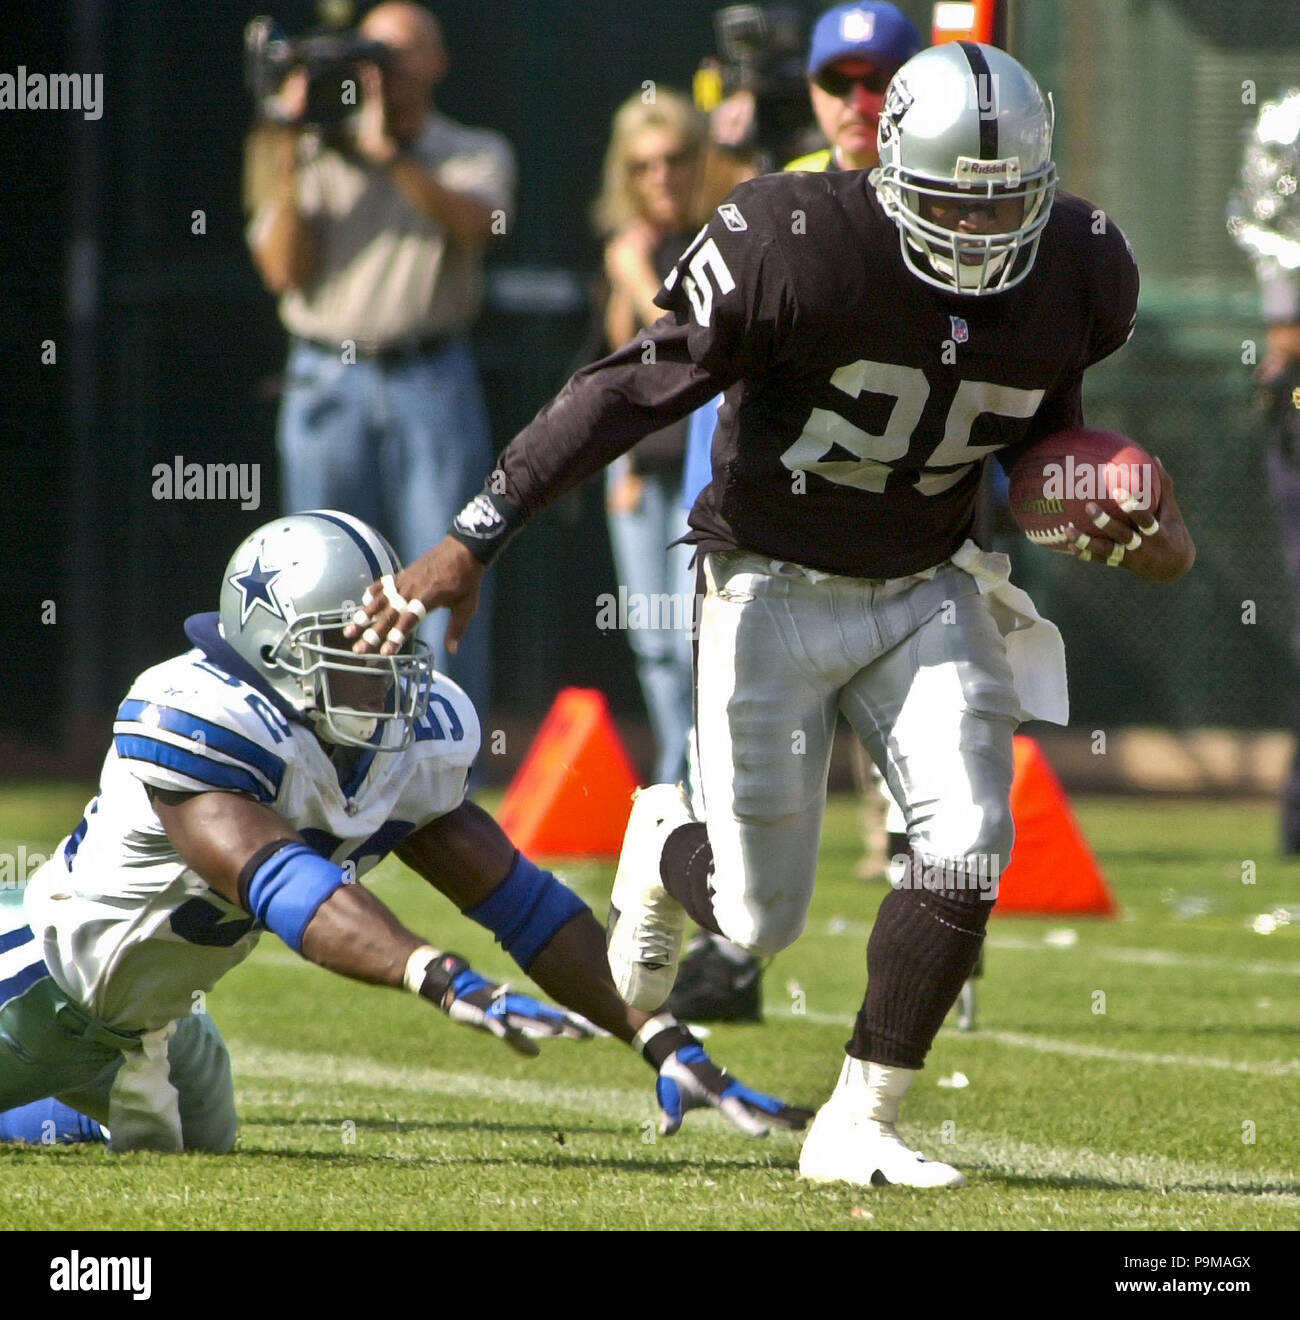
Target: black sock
x=921, y=951
x=686, y=868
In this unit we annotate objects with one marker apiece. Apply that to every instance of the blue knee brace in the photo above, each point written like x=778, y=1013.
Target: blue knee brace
x=526, y=909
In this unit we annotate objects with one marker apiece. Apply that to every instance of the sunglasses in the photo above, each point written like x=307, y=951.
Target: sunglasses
x=835, y=83
x=674, y=160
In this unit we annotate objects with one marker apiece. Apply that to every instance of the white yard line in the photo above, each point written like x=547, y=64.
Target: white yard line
x=1044, y=1045
x=1077, y=1049
x=1106, y=953
x=1148, y=1172
x=263, y=1064
x=999, y=1153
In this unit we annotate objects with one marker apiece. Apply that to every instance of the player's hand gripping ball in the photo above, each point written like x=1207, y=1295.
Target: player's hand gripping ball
x=1087, y=492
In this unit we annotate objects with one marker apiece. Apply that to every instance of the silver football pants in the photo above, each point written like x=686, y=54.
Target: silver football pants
x=919, y=670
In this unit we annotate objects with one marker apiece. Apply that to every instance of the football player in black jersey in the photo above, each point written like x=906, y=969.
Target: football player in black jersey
x=878, y=336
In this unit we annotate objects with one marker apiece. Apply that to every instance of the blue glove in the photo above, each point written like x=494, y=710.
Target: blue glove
x=689, y=1079
x=468, y=997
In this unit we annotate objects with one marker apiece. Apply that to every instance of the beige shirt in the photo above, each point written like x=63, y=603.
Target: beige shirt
x=385, y=272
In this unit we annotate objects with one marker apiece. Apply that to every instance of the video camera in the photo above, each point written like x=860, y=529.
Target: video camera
x=762, y=49
x=330, y=56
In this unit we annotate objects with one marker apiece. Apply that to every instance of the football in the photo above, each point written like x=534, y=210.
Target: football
x=1054, y=481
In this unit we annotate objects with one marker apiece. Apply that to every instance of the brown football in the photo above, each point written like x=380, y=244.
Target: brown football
x=1053, y=482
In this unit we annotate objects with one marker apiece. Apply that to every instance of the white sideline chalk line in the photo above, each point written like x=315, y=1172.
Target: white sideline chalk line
x=1002, y=1153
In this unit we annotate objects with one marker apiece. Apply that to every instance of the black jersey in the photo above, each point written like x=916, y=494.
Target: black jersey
x=860, y=401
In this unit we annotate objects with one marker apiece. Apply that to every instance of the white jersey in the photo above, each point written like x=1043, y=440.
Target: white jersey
x=127, y=928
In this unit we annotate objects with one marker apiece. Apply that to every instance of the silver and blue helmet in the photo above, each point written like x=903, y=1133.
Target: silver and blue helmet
x=966, y=121
x=288, y=589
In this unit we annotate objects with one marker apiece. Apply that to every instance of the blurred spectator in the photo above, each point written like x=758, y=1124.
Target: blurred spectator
x=855, y=50
x=373, y=239
x=645, y=213
x=1265, y=219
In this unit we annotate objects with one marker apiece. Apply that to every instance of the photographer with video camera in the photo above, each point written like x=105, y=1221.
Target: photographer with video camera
x=369, y=224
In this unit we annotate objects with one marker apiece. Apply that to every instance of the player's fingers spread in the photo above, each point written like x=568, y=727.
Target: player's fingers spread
x=372, y=601
x=516, y=1039
x=738, y=1112
x=372, y=638
x=1108, y=526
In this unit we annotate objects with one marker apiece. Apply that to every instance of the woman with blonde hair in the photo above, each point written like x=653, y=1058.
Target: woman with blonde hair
x=646, y=213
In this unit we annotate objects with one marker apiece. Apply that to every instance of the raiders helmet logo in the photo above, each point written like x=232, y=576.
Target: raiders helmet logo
x=479, y=518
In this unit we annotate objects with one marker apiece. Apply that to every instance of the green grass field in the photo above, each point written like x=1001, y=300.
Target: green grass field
x=362, y=1109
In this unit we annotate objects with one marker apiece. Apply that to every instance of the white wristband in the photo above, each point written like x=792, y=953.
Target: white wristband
x=649, y=1030
x=417, y=967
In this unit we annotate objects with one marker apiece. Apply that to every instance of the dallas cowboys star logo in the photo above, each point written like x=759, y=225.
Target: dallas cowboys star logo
x=255, y=584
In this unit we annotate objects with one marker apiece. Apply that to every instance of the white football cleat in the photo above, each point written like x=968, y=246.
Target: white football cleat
x=643, y=939
x=844, y=1147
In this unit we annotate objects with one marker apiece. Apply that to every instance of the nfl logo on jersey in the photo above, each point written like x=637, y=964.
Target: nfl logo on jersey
x=960, y=334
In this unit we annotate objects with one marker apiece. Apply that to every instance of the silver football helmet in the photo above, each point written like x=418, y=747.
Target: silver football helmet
x=965, y=129
x=288, y=590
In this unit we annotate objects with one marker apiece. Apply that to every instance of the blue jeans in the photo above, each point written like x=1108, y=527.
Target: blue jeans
x=403, y=446
x=648, y=568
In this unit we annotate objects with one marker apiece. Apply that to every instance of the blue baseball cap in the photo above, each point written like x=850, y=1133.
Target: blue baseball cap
x=875, y=32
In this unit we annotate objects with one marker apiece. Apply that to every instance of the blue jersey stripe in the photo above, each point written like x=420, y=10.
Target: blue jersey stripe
x=74, y=842
x=202, y=768
x=12, y=939
x=214, y=735
x=22, y=981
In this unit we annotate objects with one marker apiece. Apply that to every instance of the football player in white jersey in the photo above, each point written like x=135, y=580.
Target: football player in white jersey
x=251, y=782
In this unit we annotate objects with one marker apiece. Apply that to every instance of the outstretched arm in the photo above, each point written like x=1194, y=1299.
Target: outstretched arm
x=556, y=940
x=601, y=413
x=252, y=857
x=467, y=856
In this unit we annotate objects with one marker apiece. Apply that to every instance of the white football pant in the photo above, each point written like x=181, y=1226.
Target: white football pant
x=919, y=669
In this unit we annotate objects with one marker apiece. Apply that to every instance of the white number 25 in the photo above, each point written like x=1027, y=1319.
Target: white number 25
x=874, y=455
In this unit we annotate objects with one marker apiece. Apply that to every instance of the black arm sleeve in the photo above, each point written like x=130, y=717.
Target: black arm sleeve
x=602, y=412
x=726, y=305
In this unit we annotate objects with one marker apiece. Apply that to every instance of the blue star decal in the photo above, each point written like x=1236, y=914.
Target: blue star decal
x=256, y=586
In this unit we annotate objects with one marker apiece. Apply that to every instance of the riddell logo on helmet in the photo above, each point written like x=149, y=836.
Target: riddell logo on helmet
x=1129, y=483
x=1004, y=171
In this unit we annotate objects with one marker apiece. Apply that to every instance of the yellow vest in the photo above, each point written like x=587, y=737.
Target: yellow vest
x=816, y=162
